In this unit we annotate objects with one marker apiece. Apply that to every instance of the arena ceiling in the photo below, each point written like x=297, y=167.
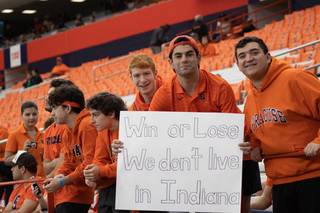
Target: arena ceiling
x=43, y=7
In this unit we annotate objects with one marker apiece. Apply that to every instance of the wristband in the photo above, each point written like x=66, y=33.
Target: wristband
x=60, y=179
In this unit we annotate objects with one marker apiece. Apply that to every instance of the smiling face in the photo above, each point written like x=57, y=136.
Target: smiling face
x=253, y=62
x=30, y=117
x=184, y=60
x=144, y=79
x=100, y=120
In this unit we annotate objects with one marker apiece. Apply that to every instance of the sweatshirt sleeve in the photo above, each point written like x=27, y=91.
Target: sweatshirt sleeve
x=87, y=137
x=66, y=167
x=103, y=157
x=307, y=91
x=109, y=170
x=12, y=143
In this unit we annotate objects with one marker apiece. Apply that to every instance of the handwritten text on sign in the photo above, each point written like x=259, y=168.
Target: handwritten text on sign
x=179, y=161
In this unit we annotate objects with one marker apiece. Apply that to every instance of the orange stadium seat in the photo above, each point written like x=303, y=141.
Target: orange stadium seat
x=308, y=56
x=304, y=65
x=293, y=59
x=295, y=29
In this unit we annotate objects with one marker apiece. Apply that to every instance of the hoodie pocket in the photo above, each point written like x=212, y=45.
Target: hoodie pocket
x=286, y=167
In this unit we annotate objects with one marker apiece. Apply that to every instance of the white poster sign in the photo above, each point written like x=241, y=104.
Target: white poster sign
x=180, y=161
x=15, y=56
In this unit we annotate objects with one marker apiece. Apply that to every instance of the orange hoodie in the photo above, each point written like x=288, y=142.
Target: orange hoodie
x=283, y=115
x=104, y=158
x=139, y=104
x=79, y=147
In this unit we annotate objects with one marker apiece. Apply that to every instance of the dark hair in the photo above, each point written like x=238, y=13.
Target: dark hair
x=36, y=70
x=28, y=104
x=166, y=27
x=178, y=40
x=28, y=161
x=59, y=81
x=243, y=42
x=106, y=103
x=48, y=122
x=67, y=93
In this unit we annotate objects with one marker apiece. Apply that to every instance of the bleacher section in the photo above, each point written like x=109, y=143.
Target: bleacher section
x=110, y=74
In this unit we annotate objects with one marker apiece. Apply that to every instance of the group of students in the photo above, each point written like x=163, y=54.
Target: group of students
x=81, y=147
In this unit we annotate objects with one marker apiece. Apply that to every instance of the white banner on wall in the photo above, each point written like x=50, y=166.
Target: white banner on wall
x=180, y=161
x=15, y=56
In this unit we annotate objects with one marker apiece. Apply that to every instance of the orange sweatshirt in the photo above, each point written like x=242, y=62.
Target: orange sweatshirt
x=60, y=69
x=139, y=104
x=16, y=142
x=104, y=158
x=79, y=147
x=283, y=115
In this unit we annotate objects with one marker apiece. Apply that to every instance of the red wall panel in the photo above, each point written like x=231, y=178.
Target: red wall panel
x=121, y=26
x=47, y=47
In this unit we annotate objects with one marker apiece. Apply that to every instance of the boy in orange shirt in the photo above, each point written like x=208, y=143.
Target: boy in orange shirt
x=145, y=78
x=79, y=147
x=282, y=111
x=24, y=167
x=53, y=157
x=26, y=137
x=195, y=90
x=59, y=69
x=105, y=112
x=207, y=48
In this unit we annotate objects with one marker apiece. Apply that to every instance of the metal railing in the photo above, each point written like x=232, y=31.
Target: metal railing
x=16, y=79
x=50, y=198
x=298, y=48
x=106, y=64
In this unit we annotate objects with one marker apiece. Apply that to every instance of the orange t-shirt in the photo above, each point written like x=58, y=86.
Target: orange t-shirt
x=79, y=148
x=16, y=142
x=3, y=135
x=60, y=69
x=213, y=94
x=21, y=193
x=53, y=141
